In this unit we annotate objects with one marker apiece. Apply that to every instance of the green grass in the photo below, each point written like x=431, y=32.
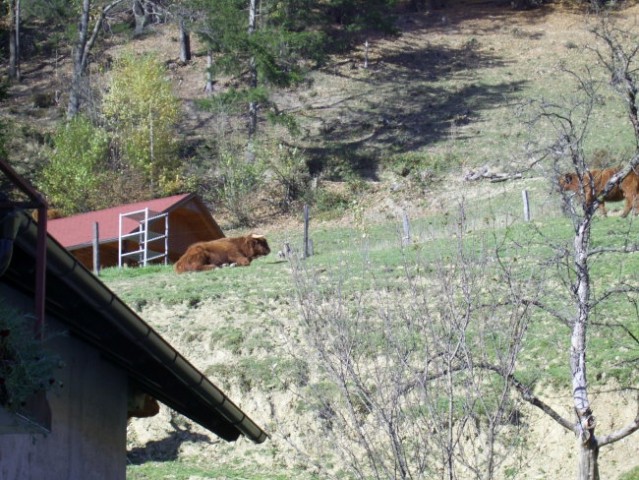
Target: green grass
x=261, y=374
x=185, y=471
x=377, y=262
x=163, y=285
x=631, y=475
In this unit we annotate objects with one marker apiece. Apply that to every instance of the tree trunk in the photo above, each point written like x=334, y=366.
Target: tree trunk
x=253, y=105
x=185, y=42
x=589, y=451
x=14, y=39
x=141, y=17
x=78, y=59
x=17, y=33
x=589, y=460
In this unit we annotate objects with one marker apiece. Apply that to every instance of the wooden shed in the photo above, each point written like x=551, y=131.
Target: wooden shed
x=108, y=354
x=152, y=228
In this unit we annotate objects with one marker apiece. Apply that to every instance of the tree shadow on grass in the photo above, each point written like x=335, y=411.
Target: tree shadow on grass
x=166, y=449
x=411, y=97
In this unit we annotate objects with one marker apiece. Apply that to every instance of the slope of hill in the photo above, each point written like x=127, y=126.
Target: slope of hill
x=432, y=105
x=443, y=96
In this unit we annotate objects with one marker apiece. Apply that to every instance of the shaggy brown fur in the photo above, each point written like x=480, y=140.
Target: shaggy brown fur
x=142, y=405
x=627, y=190
x=224, y=251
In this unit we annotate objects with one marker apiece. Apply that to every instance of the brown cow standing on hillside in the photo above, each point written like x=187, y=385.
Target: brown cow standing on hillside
x=627, y=190
x=224, y=251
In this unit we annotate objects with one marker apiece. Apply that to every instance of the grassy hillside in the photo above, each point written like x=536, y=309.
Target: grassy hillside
x=447, y=96
x=242, y=327
x=442, y=99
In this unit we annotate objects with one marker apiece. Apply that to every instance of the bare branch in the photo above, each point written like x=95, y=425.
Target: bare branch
x=555, y=313
x=620, y=434
x=621, y=326
x=614, y=291
x=602, y=250
x=96, y=30
x=528, y=395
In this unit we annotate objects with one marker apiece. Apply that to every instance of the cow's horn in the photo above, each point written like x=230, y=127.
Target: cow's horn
x=255, y=235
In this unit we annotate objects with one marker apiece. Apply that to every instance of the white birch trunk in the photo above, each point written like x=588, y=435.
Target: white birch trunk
x=253, y=105
x=588, y=469
x=209, y=74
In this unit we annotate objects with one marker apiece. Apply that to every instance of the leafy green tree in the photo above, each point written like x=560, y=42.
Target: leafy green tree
x=358, y=15
x=142, y=111
x=263, y=44
x=76, y=167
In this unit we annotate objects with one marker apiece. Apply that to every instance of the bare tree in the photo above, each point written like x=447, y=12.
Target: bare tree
x=141, y=15
x=81, y=51
x=420, y=367
x=410, y=363
x=617, y=52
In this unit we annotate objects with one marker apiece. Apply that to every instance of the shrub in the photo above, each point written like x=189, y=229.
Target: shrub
x=239, y=182
x=331, y=201
x=76, y=168
x=143, y=112
x=416, y=164
x=290, y=174
x=338, y=166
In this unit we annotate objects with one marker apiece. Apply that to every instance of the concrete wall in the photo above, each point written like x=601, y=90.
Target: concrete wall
x=88, y=428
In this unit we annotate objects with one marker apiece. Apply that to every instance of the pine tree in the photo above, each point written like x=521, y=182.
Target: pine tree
x=263, y=44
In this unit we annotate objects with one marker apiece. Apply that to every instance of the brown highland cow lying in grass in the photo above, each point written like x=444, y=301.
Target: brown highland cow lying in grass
x=142, y=405
x=224, y=251
x=627, y=190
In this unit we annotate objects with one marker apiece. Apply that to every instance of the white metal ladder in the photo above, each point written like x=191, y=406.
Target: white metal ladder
x=144, y=237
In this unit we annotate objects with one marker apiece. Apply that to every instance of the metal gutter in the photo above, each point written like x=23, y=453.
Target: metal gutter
x=152, y=347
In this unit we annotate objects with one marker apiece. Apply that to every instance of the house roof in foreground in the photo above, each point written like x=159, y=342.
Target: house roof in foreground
x=77, y=230
x=95, y=314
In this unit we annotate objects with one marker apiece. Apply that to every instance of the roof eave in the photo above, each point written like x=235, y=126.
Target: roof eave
x=64, y=266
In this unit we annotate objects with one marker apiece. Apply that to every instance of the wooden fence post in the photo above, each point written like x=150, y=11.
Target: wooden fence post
x=96, y=249
x=366, y=45
x=406, y=238
x=524, y=194
x=307, y=249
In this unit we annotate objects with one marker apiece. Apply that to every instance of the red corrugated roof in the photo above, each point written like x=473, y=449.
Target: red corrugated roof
x=78, y=229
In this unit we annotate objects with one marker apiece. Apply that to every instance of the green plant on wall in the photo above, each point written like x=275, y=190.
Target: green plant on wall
x=26, y=367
